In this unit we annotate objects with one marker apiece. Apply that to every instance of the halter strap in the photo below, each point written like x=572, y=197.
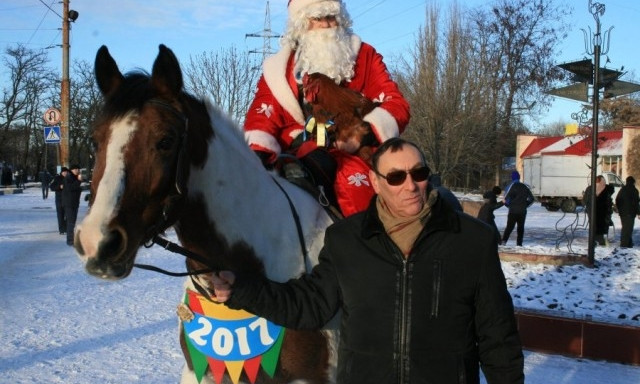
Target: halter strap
x=174, y=202
x=296, y=219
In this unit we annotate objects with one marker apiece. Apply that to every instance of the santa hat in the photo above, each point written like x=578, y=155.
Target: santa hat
x=313, y=8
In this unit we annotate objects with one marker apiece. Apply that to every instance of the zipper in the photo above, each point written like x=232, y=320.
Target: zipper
x=403, y=320
x=435, y=289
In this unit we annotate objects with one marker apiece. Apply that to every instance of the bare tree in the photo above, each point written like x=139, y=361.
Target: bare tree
x=447, y=93
x=23, y=102
x=85, y=103
x=553, y=129
x=227, y=77
x=522, y=37
x=619, y=112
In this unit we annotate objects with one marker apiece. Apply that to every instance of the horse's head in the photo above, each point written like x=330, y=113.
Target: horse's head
x=143, y=155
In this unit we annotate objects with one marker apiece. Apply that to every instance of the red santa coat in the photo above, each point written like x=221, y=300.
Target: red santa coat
x=275, y=117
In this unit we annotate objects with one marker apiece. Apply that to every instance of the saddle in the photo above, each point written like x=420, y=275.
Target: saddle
x=314, y=174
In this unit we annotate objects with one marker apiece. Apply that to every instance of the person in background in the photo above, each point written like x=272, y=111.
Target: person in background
x=56, y=185
x=435, y=181
x=19, y=179
x=319, y=39
x=71, y=192
x=489, y=205
x=420, y=285
x=45, y=179
x=628, y=204
x=604, y=209
x=517, y=198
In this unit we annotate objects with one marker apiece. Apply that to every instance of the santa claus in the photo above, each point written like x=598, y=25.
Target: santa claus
x=319, y=39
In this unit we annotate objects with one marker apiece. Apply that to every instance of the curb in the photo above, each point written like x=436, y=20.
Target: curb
x=10, y=191
x=579, y=338
x=573, y=337
x=530, y=258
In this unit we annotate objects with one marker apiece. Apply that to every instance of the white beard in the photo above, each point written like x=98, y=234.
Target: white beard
x=327, y=51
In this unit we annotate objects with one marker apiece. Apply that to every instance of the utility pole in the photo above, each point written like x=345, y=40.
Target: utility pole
x=266, y=34
x=65, y=93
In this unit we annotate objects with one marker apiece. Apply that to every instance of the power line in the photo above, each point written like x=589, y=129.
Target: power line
x=41, y=20
x=49, y=7
x=369, y=9
x=405, y=10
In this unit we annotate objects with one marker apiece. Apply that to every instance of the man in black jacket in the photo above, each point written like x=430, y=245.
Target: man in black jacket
x=420, y=286
x=517, y=198
x=627, y=203
x=71, y=200
x=56, y=185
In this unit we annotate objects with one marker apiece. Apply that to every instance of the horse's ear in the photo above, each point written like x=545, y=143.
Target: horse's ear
x=108, y=75
x=166, y=76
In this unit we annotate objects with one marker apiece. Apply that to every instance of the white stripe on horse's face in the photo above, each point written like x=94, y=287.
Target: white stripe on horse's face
x=94, y=227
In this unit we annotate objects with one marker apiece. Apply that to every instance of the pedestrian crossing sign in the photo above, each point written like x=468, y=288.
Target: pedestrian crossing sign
x=52, y=134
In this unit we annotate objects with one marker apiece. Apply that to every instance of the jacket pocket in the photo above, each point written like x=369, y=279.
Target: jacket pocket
x=435, y=289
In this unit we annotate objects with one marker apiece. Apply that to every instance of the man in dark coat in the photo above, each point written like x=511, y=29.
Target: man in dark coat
x=45, y=179
x=628, y=204
x=71, y=200
x=489, y=205
x=518, y=198
x=420, y=286
x=604, y=208
x=56, y=185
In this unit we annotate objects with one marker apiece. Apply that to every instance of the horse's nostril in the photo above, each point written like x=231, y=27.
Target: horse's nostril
x=114, y=243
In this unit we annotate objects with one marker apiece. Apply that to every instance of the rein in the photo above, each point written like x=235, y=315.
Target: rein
x=175, y=248
x=296, y=219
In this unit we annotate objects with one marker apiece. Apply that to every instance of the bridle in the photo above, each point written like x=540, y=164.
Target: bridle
x=174, y=203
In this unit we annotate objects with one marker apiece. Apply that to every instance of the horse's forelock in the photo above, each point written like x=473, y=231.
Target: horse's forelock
x=134, y=91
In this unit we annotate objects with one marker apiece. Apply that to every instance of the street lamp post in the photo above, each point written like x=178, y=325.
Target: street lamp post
x=597, y=10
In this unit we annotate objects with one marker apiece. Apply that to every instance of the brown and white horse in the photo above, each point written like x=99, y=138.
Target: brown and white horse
x=165, y=158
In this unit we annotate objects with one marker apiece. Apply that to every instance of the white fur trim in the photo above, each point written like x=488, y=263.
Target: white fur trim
x=274, y=68
x=262, y=139
x=383, y=124
x=313, y=8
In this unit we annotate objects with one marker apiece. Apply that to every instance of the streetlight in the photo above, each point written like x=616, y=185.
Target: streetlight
x=67, y=17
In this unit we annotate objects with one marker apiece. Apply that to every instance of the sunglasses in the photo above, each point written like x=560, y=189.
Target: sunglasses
x=398, y=177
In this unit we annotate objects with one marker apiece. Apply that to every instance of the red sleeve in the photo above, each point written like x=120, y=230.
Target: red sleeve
x=264, y=117
x=268, y=126
x=374, y=81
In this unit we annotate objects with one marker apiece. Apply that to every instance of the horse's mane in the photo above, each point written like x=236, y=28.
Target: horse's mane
x=234, y=135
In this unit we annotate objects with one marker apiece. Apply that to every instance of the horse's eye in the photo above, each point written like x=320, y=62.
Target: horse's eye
x=165, y=144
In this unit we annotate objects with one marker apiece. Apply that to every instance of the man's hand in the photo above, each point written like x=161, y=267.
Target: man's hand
x=222, y=285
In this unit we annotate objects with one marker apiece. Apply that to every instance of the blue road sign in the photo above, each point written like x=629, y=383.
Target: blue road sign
x=52, y=134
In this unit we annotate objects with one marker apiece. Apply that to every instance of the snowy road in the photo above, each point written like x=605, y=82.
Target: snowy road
x=60, y=325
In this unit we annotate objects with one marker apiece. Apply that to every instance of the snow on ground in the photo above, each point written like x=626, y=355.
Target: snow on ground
x=60, y=325
x=609, y=292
